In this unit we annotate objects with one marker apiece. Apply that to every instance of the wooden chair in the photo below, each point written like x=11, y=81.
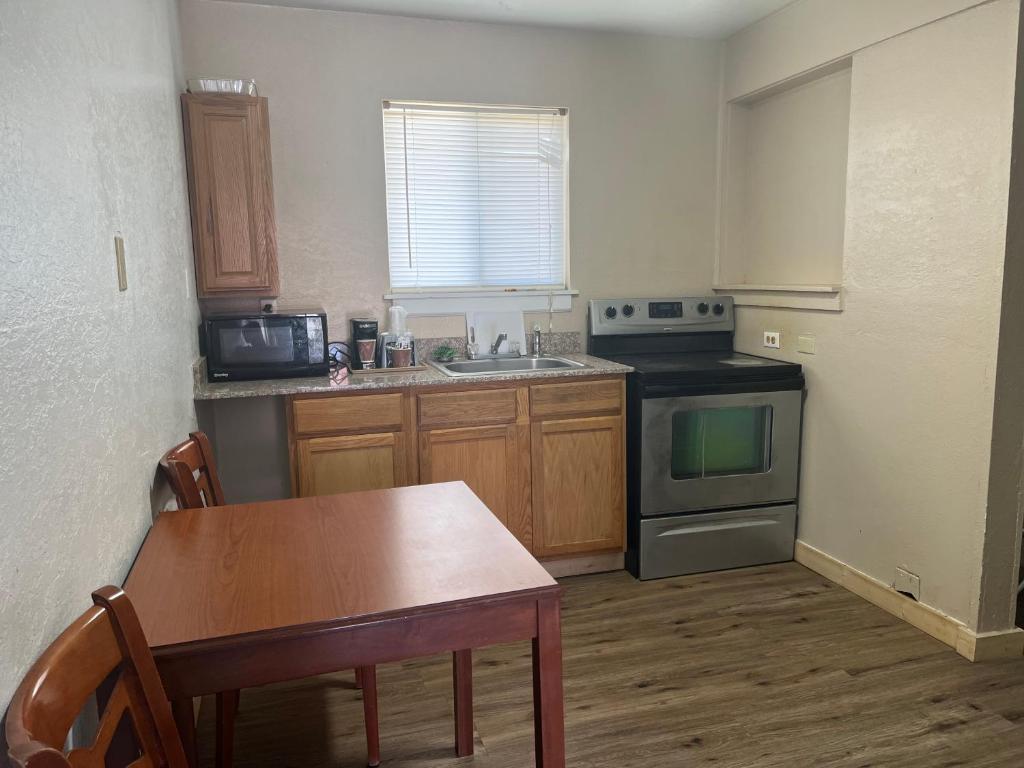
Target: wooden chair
x=192, y=474
x=104, y=653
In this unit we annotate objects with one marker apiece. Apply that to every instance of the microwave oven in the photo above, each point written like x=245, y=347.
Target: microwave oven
x=241, y=346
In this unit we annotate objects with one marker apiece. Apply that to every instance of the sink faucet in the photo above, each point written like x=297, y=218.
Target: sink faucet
x=497, y=343
x=535, y=350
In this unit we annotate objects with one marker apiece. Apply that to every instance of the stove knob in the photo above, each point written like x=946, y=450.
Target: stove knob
x=610, y=313
x=703, y=307
x=627, y=310
x=718, y=309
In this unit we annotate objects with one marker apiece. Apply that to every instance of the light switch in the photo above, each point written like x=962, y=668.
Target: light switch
x=122, y=273
x=805, y=343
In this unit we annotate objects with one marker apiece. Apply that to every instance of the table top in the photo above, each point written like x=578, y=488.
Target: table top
x=323, y=561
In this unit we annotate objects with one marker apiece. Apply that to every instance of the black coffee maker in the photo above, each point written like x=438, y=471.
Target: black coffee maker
x=364, y=343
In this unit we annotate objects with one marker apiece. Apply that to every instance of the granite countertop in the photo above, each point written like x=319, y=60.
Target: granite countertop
x=343, y=381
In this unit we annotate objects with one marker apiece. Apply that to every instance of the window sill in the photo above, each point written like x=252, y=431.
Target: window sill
x=460, y=302
x=825, y=298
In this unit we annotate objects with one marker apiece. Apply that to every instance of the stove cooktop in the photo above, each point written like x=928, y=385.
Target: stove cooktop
x=719, y=366
x=681, y=341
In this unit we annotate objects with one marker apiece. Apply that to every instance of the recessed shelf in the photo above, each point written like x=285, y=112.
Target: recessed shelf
x=779, y=288
x=824, y=298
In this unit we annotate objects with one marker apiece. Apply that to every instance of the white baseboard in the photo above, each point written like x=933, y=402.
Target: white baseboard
x=969, y=644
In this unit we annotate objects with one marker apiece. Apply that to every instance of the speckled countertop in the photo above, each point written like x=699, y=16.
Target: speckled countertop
x=343, y=381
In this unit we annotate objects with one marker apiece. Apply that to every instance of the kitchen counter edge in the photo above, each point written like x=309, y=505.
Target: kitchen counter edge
x=345, y=382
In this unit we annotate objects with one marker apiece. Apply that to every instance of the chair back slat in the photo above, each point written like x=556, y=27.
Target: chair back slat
x=192, y=473
x=106, y=639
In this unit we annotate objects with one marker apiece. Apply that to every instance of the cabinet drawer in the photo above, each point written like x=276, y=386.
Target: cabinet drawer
x=576, y=398
x=361, y=413
x=465, y=409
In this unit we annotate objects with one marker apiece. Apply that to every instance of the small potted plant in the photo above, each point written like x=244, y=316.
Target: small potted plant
x=444, y=353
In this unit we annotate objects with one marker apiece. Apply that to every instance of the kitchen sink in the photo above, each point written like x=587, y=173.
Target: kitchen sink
x=490, y=367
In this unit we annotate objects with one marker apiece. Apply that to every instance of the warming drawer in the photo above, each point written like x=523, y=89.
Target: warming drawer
x=715, y=541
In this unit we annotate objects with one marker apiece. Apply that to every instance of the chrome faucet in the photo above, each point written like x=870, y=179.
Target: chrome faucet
x=497, y=343
x=535, y=347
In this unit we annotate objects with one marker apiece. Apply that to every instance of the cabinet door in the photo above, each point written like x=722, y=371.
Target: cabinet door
x=227, y=148
x=350, y=463
x=578, y=485
x=490, y=462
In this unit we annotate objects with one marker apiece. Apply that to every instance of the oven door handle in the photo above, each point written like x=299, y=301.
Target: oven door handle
x=753, y=387
x=680, y=530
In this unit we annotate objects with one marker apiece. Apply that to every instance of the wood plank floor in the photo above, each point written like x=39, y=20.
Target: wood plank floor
x=770, y=666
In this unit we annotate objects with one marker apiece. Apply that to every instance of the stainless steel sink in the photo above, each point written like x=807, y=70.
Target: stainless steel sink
x=464, y=368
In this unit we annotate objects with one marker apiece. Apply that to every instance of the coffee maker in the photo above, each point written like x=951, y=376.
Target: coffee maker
x=364, y=343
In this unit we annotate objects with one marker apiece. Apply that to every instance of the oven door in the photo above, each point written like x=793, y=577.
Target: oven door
x=715, y=451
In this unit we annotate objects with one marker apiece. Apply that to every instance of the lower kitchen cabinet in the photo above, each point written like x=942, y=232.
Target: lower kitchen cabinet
x=546, y=458
x=578, y=488
x=490, y=461
x=346, y=463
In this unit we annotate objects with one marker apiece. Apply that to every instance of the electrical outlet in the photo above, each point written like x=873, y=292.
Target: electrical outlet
x=773, y=339
x=805, y=343
x=907, y=583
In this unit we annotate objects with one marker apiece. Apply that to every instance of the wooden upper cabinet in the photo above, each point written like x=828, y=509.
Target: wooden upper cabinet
x=234, y=234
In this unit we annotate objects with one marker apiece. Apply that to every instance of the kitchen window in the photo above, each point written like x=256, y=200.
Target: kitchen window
x=476, y=197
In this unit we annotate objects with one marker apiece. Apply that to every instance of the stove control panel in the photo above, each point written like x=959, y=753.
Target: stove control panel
x=694, y=314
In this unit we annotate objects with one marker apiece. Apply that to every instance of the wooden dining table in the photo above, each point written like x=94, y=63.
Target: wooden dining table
x=244, y=595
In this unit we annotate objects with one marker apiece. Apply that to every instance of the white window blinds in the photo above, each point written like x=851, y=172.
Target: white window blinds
x=475, y=196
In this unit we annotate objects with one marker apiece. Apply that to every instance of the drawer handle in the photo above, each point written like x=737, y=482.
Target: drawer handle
x=705, y=527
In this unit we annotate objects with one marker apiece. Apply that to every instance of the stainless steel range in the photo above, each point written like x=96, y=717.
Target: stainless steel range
x=713, y=437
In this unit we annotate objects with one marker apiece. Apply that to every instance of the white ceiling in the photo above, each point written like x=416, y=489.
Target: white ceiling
x=714, y=19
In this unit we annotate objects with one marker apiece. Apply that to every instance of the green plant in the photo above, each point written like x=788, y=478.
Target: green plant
x=444, y=353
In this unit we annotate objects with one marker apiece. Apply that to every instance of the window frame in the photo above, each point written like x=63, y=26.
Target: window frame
x=428, y=299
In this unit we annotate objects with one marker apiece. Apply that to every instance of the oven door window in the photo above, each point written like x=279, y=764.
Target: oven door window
x=256, y=342
x=713, y=442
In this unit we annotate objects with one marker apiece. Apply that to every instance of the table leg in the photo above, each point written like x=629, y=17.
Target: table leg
x=548, y=708
x=367, y=677
x=462, y=676
x=185, y=719
x=227, y=709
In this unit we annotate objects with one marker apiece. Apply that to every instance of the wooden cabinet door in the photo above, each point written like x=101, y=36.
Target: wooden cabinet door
x=490, y=461
x=350, y=463
x=227, y=148
x=578, y=485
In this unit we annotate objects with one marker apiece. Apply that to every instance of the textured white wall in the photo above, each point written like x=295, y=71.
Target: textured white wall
x=898, y=421
x=96, y=383
x=643, y=128
x=808, y=33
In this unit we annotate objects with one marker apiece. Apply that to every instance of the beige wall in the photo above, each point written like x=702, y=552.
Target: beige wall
x=96, y=383
x=643, y=122
x=810, y=33
x=1006, y=471
x=898, y=418
x=784, y=201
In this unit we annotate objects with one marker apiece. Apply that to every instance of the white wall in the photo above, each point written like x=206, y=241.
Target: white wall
x=643, y=122
x=898, y=421
x=785, y=196
x=809, y=33
x=96, y=383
